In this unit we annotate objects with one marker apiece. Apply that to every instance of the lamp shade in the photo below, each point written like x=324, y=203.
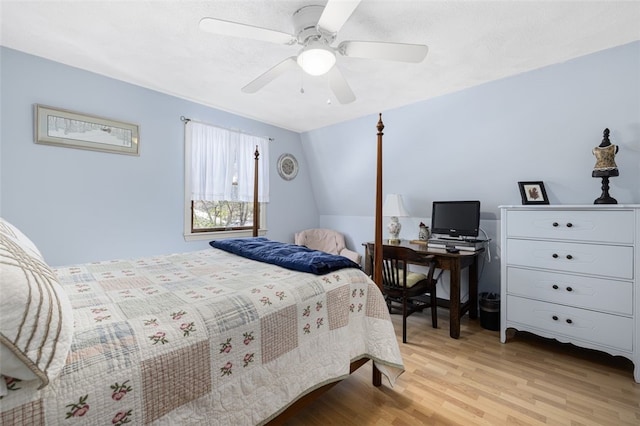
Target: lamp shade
x=316, y=58
x=393, y=206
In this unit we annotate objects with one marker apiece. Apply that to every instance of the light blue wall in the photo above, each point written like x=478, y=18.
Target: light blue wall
x=474, y=144
x=81, y=206
x=478, y=143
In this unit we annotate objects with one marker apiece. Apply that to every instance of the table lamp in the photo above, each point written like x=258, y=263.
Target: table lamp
x=394, y=208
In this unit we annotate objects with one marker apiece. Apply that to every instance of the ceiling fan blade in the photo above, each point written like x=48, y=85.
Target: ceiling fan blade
x=270, y=75
x=336, y=13
x=236, y=29
x=340, y=87
x=380, y=50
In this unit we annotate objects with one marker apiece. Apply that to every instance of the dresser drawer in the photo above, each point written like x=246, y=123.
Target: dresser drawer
x=593, y=259
x=600, y=328
x=597, y=294
x=604, y=226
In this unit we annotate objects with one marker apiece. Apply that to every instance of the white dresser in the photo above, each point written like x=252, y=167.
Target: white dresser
x=570, y=272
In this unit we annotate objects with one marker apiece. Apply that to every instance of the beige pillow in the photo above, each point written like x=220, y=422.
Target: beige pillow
x=36, y=321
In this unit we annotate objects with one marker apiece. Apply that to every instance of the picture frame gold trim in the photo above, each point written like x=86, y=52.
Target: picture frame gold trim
x=60, y=127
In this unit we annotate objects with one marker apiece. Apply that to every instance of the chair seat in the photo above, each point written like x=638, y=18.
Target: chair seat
x=417, y=284
x=413, y=278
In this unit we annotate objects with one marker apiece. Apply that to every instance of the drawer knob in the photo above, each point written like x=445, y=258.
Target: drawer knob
x=569, y=225
x=569, y=321
x=555, y=286
x=555, y=224
x=569, y=257
x=555, y=255
x=569, y=289
x=555, y=317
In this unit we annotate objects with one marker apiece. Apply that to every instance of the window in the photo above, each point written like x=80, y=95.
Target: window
x=219, y=178
x=211, y=216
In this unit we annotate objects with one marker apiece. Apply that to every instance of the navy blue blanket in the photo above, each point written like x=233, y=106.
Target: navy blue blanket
x=290, y=256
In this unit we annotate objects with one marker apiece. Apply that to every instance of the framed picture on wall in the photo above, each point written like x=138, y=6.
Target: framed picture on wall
x=287, y=166
x=533, y=193
x=59, y=127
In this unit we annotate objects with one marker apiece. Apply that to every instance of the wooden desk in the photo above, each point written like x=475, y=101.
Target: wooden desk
x=454, y=263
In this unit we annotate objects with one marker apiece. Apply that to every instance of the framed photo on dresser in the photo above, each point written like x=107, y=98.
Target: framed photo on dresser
x=533, y=192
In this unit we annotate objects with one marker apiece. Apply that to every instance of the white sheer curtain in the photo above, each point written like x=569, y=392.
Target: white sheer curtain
x=222, y=157
x=246, y=148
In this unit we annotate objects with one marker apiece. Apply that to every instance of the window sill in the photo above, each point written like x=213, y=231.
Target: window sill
x=221, y=235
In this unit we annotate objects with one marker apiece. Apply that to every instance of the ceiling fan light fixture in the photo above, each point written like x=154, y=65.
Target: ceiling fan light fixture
x=316, y=58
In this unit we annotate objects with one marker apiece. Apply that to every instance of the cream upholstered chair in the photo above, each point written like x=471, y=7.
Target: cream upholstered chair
x=326, y=240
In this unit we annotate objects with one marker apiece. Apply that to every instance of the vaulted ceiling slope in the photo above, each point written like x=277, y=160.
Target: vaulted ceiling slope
x=158, y=45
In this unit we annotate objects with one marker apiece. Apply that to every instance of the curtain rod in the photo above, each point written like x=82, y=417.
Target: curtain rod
x=186, y=120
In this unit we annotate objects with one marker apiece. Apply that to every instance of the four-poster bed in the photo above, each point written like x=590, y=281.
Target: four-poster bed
x=377, y=278
x=206, y=336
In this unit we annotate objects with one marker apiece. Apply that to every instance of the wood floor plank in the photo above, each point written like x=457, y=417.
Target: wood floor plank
x=476, y=380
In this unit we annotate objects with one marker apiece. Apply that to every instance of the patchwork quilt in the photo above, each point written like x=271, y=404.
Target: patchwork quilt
x=203, y=338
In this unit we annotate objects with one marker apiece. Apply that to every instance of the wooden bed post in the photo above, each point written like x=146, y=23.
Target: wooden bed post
x=256, y=204
x=377, y=259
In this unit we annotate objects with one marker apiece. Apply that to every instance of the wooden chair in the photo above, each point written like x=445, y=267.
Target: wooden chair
x=406, y=287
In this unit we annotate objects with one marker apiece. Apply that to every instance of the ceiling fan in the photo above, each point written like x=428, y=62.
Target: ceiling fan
x=316, y=28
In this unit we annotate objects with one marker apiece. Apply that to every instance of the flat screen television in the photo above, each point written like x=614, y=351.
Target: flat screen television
x=456, y=219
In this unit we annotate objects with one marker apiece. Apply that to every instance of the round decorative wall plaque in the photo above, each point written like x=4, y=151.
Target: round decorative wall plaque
x=287, y=166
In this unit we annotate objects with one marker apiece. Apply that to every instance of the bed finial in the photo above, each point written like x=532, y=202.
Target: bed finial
x=380, y=124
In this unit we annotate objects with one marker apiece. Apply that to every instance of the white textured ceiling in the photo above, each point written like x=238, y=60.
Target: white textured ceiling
x=157, y=44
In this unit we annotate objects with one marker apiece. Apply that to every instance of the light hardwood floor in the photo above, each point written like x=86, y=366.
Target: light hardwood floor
x=476, y=380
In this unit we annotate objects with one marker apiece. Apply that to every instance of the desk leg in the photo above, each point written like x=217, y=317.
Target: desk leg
x=454, y=300
x=368, y=266
x=473, y=289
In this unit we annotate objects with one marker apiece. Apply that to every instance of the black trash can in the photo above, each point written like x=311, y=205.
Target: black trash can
x=490, y=311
